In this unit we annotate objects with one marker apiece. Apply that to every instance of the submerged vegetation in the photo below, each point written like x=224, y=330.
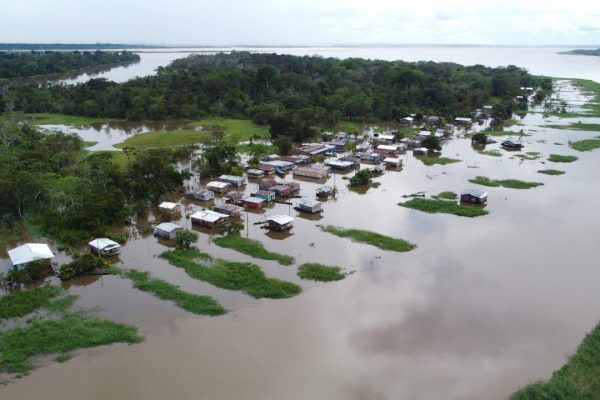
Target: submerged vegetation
x=578, y=379
x=320, y=272
x=439, y=205
x=71, y=332
x=586, y=144
x=493, y=153
x=374, y=239
x=577, y=126
x=203, y=305
x=253, y=248
x=551, y=171
x=562, y=159
x=432, y=160
x=530, y=155
x=23, y=302
x=507, y=183
x=245, y=277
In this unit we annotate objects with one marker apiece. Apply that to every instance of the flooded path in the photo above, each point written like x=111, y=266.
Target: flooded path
x=482, y=307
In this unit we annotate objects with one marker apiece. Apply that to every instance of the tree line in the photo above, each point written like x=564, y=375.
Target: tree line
x=47, y=178
x=292, y=94
x=17, y=64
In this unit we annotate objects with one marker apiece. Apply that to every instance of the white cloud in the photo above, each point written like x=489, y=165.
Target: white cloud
x=301, y=22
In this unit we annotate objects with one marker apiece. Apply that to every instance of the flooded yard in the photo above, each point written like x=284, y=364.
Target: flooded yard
x=480, y=308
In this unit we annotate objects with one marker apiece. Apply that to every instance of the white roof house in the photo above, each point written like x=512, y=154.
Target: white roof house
x=385, y=136
x=395, y=161
x=480, y=194
x=104, y=244
x=29, y=252
x=424, y=133
x=281, y=219
x=167, y=227
x=168, y=206
x=463, y=120
x=208, y=216
x=387, y=147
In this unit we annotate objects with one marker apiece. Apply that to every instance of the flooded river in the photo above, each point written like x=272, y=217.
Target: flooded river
x=482, y=307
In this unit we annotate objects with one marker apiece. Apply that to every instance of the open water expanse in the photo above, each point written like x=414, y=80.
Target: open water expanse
x=482, y=307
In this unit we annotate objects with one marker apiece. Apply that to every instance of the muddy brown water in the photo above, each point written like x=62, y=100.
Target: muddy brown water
x=482, y=307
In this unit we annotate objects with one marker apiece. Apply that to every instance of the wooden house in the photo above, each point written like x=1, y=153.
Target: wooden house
x=266, y=183
x=104, y=247
x=29, y=252
x=233, y=180
x=281, y=190
x=209, y=218
x=229, y=209
x=266, y=195
x=255, y=173
x=203, y=195
x=253, y=202
x=473, y=196
x=266, y=169
x=393, y=162
x=309, y=206
x=167, y=207
x=167, y=230
x=280, y=222
x=421, y=151
x=313, y=172
x=218, y=186
x=233, y=197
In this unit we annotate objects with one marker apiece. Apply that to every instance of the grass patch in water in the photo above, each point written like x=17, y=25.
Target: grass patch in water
x=577, y=379
x=576, y=126
x=245, y=277
x=375, y=185
x=431, y=160
x=585, y=145
x=436, y=205
x=445, y=196
x=551, y=171
x=560, y=158
x=23, y=302
x=492, y=153
x=530, y=155
x=71, y=332
x=507, y=183
x=253, y=248
x=374, y=239
x=320, y=272
x=202, y=305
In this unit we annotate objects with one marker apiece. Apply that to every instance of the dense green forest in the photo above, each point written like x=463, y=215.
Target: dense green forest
x=290, y=93
x=73, y=46
x=16, y=64
x=47, y=179
x=585, y=52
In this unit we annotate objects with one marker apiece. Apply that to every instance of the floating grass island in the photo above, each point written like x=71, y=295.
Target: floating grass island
x=507, y=183
x=253, y=248
x=530, y=155
x=560, y=158
x=551, y=171
x=492, y=153
x=374, y=239
x=586, y=144
x=320, y=272
x=439, y=205
x=432, y=160
x=245, y=277
x=202, y=305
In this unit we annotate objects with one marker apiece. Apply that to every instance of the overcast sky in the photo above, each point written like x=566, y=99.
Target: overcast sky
x=302, y=22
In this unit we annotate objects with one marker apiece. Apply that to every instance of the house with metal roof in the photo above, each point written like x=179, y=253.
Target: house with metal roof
x=104, y=247
x=233, y=180
x=168, y=207
x=473, y=196
x=209, y=218
x=29, y=252
x=309, y=206
x=229, y=209
x=266, y=195
x=166, y=230
x=280, y=222
x=218, y=186
x=311, y=171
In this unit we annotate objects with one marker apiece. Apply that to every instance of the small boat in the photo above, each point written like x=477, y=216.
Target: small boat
x=324, y=191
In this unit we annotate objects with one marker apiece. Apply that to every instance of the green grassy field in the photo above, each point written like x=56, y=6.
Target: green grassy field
x=320, y=272
x=562, y=159
x=433, y=206
x=374, y=239
x=23, y=302
x=245, y=277
x=585, y=145
x=430, y=160
x=202, y=305
x=236, y=130
x=551, y=171
x=577, y=380
x=507, y=183
x=253, y=248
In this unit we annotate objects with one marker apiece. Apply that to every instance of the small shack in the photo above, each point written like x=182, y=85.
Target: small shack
x=232, y=197
x=295, y=186
x=266, y=169
x=253, y=202
x=266, y=195
x=29, y=252
x=203, y=195
x=280, y=222
x=393, y=162
x=387, y=149
x=266, y=183
x=462, y=121
x=104, y=247
x=309, y=206
x=341, y=165
x=314, y=172
x=209, y=218
x=421, y=151
x=167, y=207
x=473, y=196
x=167, y=230
x=218, y=186
x=233, y=180
x=255, y=173
x=385, y=138
x=281, y=190
x=229, y=209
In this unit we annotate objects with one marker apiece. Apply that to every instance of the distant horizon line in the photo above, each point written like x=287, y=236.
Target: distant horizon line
x=188, y=45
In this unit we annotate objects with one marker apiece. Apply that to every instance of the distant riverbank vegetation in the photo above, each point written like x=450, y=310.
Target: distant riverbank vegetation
x=17, y=64
x=295, y=96
x=49, y=180
x=584, y=52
